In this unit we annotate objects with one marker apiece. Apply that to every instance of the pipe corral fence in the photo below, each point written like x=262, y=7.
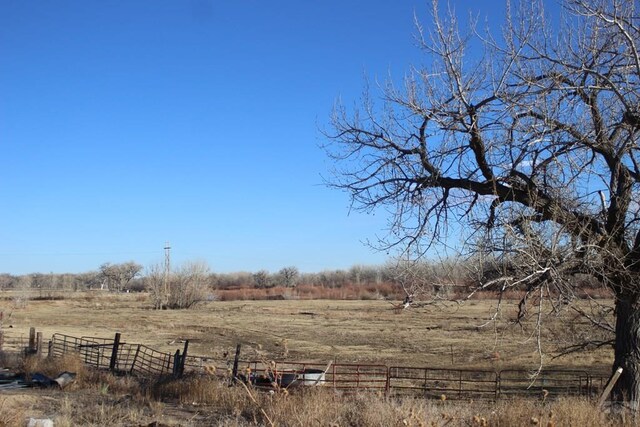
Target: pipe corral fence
x=437, y=383
x=109, y=353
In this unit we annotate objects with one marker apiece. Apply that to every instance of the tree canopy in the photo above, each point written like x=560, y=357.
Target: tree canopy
x=528, y=139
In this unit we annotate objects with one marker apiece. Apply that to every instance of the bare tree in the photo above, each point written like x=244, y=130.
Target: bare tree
x=88, y=280
x=262, y=279
x=7, y=281
x=529, y=140
x=289, y=276
x=116, y=276
x=23, y=288
x=188, y=285
x=155, y=284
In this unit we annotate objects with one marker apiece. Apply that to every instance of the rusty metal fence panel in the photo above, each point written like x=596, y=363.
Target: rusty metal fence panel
x=340, y=376
x=63, y=344
x=546, y=383
x=453, y=383
x=96, y=351
x=145, y=360
x=358, y=377
x=395, y=380
x=92, y=351
x=208, y=364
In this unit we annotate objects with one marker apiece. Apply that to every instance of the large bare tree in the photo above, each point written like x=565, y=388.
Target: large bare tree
x=117, y=276
x=528, y=140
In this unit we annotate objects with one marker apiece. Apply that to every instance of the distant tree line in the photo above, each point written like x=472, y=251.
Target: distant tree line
x=186, y=285
x=132, y=277
x=194, y=282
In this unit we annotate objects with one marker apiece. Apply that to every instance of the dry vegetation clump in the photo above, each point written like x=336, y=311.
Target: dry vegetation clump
x=12, y=411
x=196, y=389
x=87, y=379
x=219, y=404
x=99, y=410
x=99, y=398
x=53, y=366
x=370, y=291
x=324, y=407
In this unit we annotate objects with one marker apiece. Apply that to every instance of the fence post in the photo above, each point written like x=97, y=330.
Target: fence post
x=387, y=386
x=609, y=387
x=114, y=352
x=32, y=340
x=1, y=339
x=498, y=385
x=50, y=352
x=39, y=344
x=334, y=375
x=183, y=359
x=236, y=359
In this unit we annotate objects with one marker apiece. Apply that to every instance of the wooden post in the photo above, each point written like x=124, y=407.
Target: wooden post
x=236, y=360
x=50, y=353
x=32, y=340
x=609, y=387
x=114, y=352
x=183, y=359
x=39, y=344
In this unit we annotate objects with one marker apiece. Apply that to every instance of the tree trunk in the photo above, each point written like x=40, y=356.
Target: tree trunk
x=627, y=350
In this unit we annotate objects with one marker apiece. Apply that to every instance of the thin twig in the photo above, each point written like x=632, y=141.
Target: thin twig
x=257, y=404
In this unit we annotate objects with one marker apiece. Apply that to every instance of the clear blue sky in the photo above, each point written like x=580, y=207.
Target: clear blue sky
x=125, y=124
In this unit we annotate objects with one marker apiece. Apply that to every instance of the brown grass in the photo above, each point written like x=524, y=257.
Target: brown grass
x=438, y=335
x=369, y=291
x=444, y=335
x=100, y=399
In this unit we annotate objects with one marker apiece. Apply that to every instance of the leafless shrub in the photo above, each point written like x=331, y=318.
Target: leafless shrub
x=189, y=285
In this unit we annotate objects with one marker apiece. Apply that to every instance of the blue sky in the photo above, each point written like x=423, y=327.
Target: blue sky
x=126, y=124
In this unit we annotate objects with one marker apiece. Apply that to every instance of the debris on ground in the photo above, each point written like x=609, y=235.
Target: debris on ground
x=11, y=381
x=40, y=422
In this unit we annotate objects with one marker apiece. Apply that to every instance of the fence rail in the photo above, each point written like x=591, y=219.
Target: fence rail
x=348, y=378
x=451, y=382
x=99, y=353
x=435, y=382
x=551, y=382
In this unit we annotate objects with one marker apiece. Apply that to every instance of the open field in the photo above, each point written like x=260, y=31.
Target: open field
x=444, y=335
x=439, y=335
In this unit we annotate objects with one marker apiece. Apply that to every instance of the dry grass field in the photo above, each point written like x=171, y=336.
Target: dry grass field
x=434, y=335
x=438, y=335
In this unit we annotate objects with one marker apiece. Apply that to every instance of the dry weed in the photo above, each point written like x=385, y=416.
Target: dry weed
x=99, y=411
x=53, y=366
x=11, y=413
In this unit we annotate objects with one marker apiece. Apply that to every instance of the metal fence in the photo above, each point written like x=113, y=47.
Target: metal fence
x=423, y=382
x=99, y=353
x=348, y=378
x=95, y=352
x=547, y=382
x=452, y=383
